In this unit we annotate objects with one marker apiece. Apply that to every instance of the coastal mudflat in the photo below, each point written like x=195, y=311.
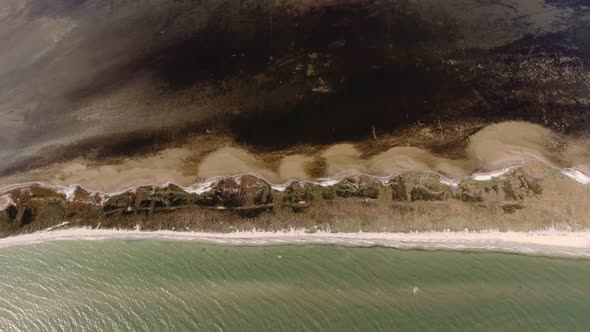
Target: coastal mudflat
x=284, y=86
x=490, y=149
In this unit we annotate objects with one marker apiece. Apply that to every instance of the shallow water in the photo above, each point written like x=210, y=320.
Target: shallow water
x=160, y=285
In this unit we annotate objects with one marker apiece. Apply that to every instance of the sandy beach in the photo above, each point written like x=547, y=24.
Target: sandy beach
x=548, y=242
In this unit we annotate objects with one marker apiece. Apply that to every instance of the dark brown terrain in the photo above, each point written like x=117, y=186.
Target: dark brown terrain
x=124, y=79
x=529, y=198
x=117, y=94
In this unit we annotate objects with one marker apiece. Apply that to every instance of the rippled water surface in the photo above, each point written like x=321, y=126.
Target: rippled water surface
x=158, y=285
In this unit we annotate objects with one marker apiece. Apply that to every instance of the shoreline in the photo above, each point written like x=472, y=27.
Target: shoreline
x=522, y=198
x=572, y=173
x=549, y=242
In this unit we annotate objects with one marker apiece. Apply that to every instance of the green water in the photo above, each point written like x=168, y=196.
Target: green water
x=151, y=285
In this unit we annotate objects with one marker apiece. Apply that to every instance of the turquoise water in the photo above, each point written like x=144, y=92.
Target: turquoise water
x=158, y=285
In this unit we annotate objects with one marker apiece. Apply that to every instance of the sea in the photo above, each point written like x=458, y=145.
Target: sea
x=169, y=285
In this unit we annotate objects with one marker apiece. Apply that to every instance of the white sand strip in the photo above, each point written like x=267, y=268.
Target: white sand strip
x=545, y=242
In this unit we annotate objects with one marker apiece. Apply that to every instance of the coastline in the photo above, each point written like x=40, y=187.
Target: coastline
x=549, y=242
x=521, y=198
x=573, y=173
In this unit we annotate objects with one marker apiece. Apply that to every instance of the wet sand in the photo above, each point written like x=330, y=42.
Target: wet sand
x=494, y=148
x=456, y=67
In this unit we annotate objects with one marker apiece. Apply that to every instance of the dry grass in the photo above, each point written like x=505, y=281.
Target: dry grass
x=562, y=203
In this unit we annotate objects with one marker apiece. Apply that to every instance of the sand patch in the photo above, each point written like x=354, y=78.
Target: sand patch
x=157, y=169
x=499, y=145
x=295, y=167
x=342, y=158
x=496, y=147
x=234, y=161
x=401, y=159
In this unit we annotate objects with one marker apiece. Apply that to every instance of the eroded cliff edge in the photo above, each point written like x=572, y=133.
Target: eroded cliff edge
x=526, y=198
